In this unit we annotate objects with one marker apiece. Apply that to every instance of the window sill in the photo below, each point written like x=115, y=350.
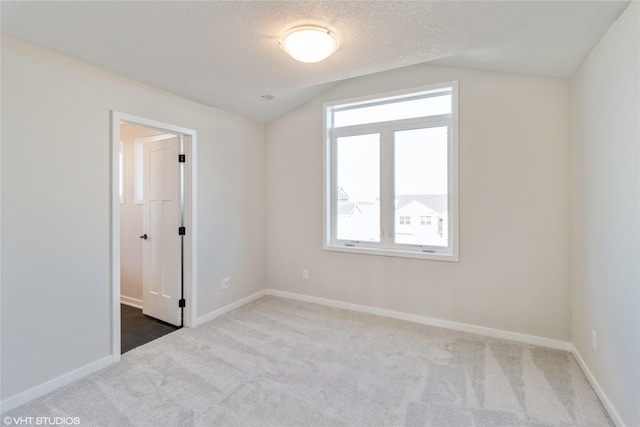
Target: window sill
x=435, y=256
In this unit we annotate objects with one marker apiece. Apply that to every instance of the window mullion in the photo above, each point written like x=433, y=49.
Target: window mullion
x=386, y=189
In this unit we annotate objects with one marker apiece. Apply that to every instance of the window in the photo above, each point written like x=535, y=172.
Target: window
x=121, y=160
x=425, y=220
x=138, y=198
x=389, y=158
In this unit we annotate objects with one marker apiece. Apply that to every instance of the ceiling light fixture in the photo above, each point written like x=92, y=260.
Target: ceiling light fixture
x=309, y=43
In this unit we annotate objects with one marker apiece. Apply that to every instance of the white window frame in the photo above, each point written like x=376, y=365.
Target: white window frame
x=387, y=246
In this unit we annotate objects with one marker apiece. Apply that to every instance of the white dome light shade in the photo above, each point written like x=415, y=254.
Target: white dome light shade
x=309, y=43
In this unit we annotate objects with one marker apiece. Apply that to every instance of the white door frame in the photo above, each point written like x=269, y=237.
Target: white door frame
x=190, y=206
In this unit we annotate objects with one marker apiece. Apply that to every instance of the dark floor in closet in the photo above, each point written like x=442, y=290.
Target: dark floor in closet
x=138, y=329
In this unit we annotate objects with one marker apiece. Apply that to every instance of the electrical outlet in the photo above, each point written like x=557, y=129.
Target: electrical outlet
x=305, y=274
x=594, y=342
x=224, y=284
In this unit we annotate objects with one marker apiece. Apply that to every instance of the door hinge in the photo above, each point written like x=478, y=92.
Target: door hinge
x=182, y=303
x=182, y=158
x=182, y=231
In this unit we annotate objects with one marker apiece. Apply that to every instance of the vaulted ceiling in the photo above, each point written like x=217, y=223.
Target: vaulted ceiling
x=225, y=54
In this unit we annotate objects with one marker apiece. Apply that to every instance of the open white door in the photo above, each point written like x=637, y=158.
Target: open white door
x=161, y=248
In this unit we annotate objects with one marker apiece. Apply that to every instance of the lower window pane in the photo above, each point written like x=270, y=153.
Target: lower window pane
x=421, y=200
x=358, y=188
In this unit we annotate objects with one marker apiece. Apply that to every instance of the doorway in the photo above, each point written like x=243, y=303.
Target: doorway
x=153, y=230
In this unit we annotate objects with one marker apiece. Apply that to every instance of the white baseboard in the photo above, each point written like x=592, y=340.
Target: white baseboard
x=38, y=391
x=132, y=302
x=611, y=410
x=227, y=308
x=43, y=389
x=56, y=383
x=463, y=327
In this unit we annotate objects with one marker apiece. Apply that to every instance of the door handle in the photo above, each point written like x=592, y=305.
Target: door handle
x=144, y=236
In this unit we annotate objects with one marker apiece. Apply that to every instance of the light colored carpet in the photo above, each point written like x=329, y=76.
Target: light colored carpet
x=281, y=362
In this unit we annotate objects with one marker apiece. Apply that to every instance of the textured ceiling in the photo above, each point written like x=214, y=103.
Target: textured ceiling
x=225, y=53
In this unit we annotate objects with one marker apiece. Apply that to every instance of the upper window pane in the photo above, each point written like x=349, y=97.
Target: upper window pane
x=430, y=105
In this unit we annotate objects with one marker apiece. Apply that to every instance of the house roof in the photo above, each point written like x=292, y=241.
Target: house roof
x=342, y=195
x=436, y=202
x=345, y=208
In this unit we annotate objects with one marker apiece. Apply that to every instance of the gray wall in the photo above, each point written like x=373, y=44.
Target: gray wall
x=513, y=273
x=606, y=214
x=56, y=291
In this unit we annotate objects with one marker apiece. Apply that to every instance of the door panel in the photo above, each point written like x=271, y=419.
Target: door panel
x=160, y=219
